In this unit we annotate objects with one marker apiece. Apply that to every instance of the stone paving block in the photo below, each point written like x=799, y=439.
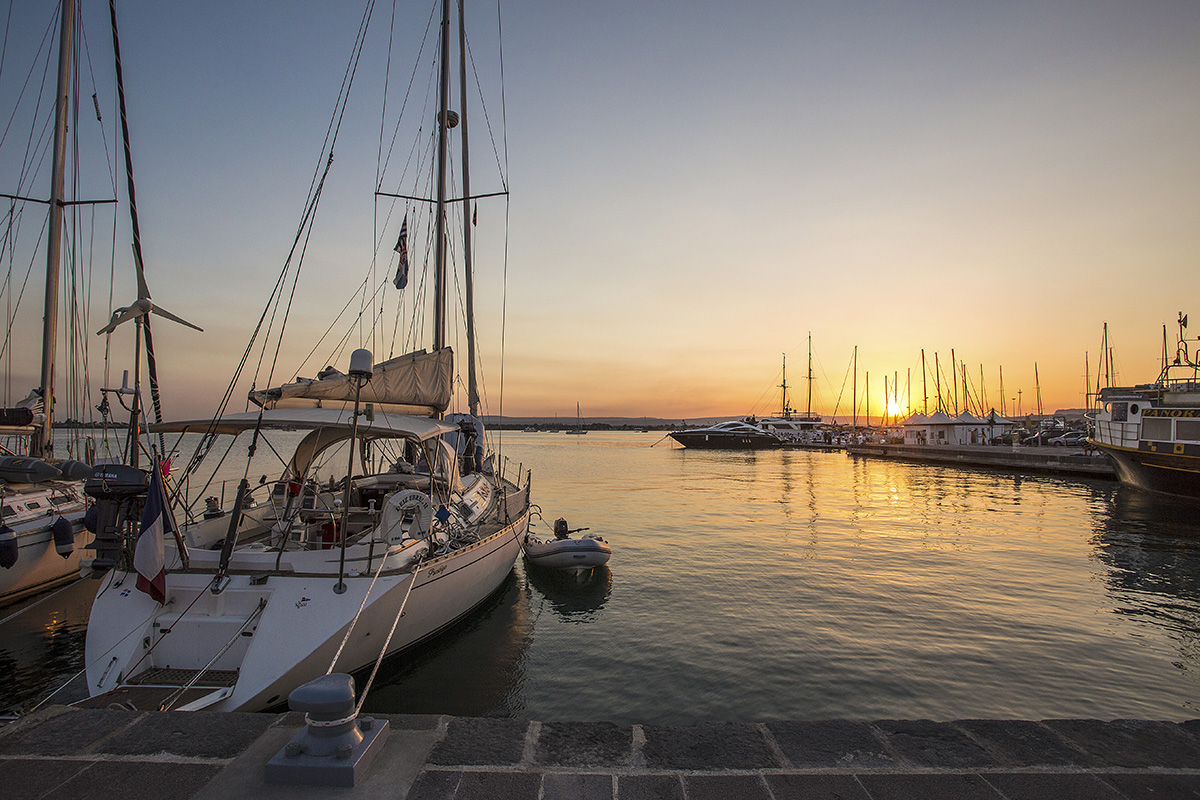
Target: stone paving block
x=725, y=787
x=1047, y=786
x=709, y=746
x=649, y=787
x=409, y=722
x=196, y=734
x=577, y=786
x=928, y=787
x=124, y=780
x=481, y=741
x=933, y=744
x=1024, y=743
x=1146, y=786
x=434, y=785
x=816, y=787
x=29, y=779
x=496, y=785
x=584, y=744
x=1132, y=742
x=829, y=743
x=70, y=733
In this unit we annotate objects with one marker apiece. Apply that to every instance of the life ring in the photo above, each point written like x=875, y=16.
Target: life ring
x=406, y=514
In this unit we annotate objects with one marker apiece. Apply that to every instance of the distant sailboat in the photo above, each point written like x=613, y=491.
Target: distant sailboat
x=578, y=429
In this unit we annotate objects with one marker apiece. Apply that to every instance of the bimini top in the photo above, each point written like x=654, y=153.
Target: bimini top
x=391, y=425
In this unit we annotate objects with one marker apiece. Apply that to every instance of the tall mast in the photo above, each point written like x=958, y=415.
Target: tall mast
x=439, y=274
x=954, y=374
x=1003, y=410
x=924, y=386
x=785, y=413
x=1037, y=385
x=808, y=409
x=937, y=379
x=42, y=444
x=854, y=390
x=468, y=264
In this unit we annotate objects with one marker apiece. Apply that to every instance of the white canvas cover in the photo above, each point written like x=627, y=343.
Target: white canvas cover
x=418, y=382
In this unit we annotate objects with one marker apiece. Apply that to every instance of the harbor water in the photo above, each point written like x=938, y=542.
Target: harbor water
x=790, y=585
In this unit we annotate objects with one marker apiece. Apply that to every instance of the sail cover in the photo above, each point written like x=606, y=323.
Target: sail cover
x=418, y=382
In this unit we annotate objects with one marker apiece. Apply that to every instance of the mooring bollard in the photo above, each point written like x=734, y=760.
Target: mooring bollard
x=335, y=747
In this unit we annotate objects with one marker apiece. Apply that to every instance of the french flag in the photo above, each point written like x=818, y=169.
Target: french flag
x=401, y=279
x=148, y=557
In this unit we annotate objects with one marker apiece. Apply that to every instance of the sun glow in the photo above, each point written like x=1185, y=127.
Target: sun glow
x=896, y=408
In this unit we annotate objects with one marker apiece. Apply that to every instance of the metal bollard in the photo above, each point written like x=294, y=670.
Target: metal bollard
x=335, y=747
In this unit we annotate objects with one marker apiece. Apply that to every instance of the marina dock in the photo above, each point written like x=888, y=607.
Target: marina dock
x=1046, y=460
x=61, y=752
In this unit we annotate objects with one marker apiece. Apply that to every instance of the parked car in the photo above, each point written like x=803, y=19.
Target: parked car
x=1040, y=438
x=1070, y=439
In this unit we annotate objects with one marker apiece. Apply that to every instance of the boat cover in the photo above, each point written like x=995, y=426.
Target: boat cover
x=396, y=425
x=418, y=382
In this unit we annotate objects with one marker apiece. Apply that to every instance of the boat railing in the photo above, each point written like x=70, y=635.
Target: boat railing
x=1118, y=434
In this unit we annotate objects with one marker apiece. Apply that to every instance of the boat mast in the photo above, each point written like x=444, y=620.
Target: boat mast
x=854, y=390
x=468, y=270
x=785, y=413
x=954, y=374
x=924, y=386
x=808, y=409
x=443, y=124
x=42, y=444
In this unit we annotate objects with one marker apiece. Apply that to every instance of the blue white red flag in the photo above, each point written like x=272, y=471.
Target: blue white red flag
x=148, y=556
x=401, y=279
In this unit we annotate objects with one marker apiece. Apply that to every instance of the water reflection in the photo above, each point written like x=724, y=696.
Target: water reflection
x=1151, y=547
x=573, y=598
x=41, y=647
x=476, y=669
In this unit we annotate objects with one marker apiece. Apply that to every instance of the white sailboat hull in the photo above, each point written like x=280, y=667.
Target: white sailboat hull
x=39, y=566
x=301, y=626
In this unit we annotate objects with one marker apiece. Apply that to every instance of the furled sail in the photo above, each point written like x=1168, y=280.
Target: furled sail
x=415, y=383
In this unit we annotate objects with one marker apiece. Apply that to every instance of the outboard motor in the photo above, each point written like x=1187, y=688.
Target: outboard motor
x=120, y=495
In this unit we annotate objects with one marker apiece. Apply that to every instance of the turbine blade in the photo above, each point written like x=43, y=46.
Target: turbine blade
x=119, y=316
x=143, y=289
x=162, y=312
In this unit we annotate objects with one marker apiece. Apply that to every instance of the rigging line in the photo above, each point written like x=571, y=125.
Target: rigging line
x=507, y=219
x=47, y=36
x=487, y=120
x=407, y=94
x=366, y=596
x=331, y=140
x=383, y=650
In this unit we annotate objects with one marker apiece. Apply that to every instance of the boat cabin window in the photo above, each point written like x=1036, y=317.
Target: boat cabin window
x=9, y=510
x=1156, y=429
x=32, y=504
x=1187, y=429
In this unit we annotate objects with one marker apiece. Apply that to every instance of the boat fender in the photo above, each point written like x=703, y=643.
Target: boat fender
x=75, y=470
x=22, y=469
x=90, y=518
x=9, y=547
x=64, y=537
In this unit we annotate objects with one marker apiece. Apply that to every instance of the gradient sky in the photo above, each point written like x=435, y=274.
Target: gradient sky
x=695, y=187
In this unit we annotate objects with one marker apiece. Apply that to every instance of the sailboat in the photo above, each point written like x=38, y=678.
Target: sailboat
x=305, y=575
x=578, y=429
x=41, y=525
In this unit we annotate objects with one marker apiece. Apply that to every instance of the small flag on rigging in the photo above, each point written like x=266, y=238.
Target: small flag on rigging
x=475, y=215
x=401, y=279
